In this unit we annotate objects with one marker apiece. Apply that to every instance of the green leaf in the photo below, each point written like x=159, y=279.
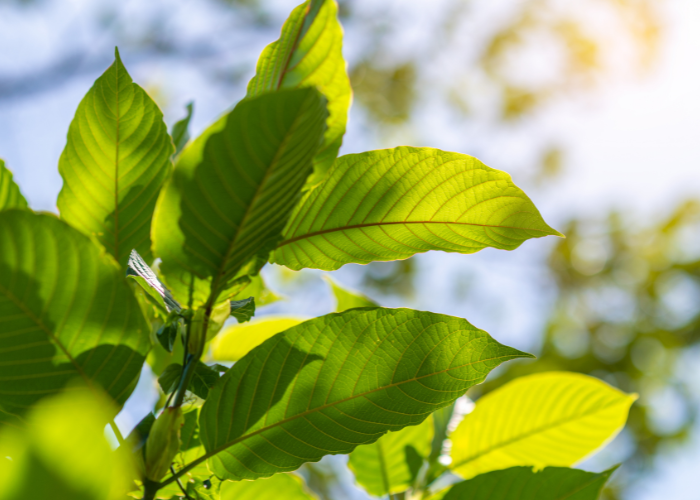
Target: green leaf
x=243, y=310
x=523, y=483
x=391, y=464
x=309, y=54
x=232, y=192
x=338, y=381
x=62, y=453
x=287, y=486
x=10, y=195
x=66, y=312
x=170, y=377
x=547, y=419
x=346, y=299
x=393, y=203
x=237, y=340
x=147, y=279
x=441, y=419
x=181, y=130
x=203, y=379
x=114, y=164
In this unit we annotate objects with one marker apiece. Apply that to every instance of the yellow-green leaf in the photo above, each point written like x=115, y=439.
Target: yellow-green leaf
x=393, y=203
x=309, y=54
x=286, y=486
x=547, y=419
x=114, y=164
x=348, y=299
x=61, y=452
x=237, y=340
x=10, y=195
x=391, y=464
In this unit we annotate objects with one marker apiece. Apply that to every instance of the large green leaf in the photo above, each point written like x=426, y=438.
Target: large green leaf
x=554, y=418
x=522, y=483
x=390, y=465
x=309, y=54
x=232, y=192
x=10, y=195
x=393, y=203
x=66, y=312
x=114, y=164
x=287, y=486
x=338, y=381
x=62, y=452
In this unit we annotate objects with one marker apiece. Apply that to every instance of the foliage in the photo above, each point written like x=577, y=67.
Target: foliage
x=79, y=299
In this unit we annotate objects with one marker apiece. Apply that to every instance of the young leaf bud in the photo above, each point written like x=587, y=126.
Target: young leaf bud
x=163, y=443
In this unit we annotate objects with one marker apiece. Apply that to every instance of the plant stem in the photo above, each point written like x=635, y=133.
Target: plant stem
x=182, y=488
x=117, y=432
x=187, y=373
x=150, y=488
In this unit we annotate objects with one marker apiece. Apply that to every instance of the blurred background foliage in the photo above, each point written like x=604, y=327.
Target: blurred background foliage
x=625, y=290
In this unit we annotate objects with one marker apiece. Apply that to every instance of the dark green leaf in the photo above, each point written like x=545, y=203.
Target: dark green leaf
x=181, y=130
x=167, y=334
x=522, y=483
x=393, y=203
x=10, y=195
x=309, y=53
x=138, y=436
x=203, y=379
x=114, y=164
x=243, y=310
x=170, y=377
x=338, y=381
x=66, y=312
x=232, y=192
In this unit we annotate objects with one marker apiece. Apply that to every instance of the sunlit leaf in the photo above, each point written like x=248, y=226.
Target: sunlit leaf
x=309, y=53
x=114, y=164
x=347, y=299
x=66, y=312
x=62, y=452
x=523, y=483
x=548, y=419
x=10, y=195
x=236, y=341
x=287, y=486
x=232, y=192
x=157, y=292
x=338, y=381
x=390, y=465
x=393, y=203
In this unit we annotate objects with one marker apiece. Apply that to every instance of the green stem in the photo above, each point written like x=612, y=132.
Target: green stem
x=150, y=488
x=185, y=379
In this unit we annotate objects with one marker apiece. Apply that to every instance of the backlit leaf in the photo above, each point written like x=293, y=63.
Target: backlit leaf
x=393, y=203
x=547, y=419
x=114, y=164
x=523, y=483
x=66, y=312
x=346, y=299
x=10, y=195
x=62, y=452
x=243, y=309
x=232, y=192
x=309, y=54
x=236, y=341
x=391, y=464
x=288, y=486
x=338, y=381
x=181, y=130
x=147, y=279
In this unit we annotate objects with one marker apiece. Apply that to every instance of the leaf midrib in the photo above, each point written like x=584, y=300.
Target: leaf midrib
x=374, y=224
x=323, y=407
x=533, y=432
